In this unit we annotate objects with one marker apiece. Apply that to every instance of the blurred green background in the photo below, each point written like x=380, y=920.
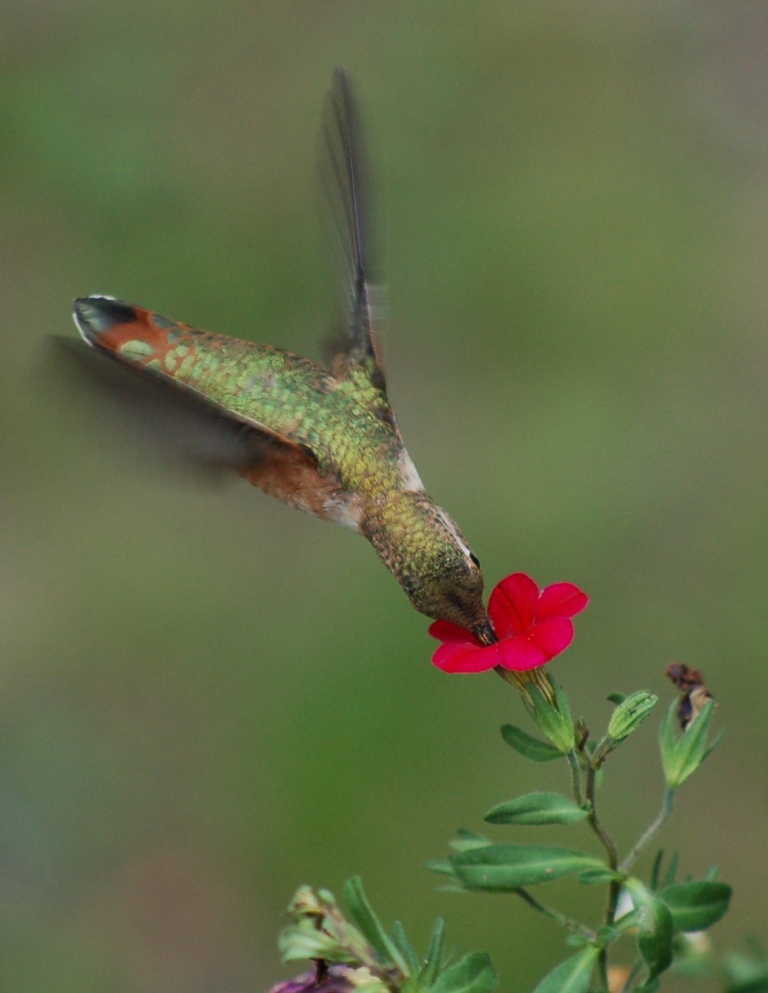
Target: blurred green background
x=207, y=698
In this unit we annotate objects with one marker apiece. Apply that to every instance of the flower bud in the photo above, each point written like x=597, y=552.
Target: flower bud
x=630, y=713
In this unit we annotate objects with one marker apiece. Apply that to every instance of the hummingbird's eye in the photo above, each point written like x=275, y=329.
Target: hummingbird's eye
x=474, y=559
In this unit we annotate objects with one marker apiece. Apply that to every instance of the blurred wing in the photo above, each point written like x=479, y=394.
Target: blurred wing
x=341, y=172
x=173, y=424
x=212, y=400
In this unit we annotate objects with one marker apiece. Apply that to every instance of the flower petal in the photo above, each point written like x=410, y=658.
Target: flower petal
x=553, y=636
x=521, y=653
x=455, y=657
x=512, y=604
x=561, y=600
x=449, y=632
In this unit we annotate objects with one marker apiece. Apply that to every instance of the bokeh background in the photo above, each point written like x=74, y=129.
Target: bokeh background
x=208, y=699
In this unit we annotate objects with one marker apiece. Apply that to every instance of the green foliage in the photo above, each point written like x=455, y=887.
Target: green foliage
x=682, y=754
x=663, y=908
x=362, y=913
x=473, y=974
x=505, y=868
x=553, y=718
x=655, y=928
x=380, y=960
x=571, y=976
x=696, y=905
x=532, y=748
x=537, y=808
x=629, y=714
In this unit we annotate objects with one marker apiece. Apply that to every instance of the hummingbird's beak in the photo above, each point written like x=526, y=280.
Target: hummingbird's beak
x=485, y=633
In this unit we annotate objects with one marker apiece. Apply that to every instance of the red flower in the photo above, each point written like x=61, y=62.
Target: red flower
x=532, y=627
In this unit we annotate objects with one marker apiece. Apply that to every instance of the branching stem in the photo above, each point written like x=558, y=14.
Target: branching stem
x=651, y=831
x=567, y=922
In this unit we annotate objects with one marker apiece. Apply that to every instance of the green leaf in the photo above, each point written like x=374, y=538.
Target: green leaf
x=591, y=877
x=697, y=905
x=434, y=958
x=466, y=839
x=572, y=975
x=553, y=719
x=532, y=748
x=473, y=974
x=503, y=868
x=537, y=808
x=649, y=987
x=405, y=948
x=655, y=938
x=655, y=925
x=656, y=869
x=682, y=755
x=616, y=698
x=443, y=866
x=362, y=913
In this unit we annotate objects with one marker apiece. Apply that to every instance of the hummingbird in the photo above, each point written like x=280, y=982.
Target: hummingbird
x=322, y=438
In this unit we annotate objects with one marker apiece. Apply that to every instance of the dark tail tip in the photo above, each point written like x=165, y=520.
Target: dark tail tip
x=97, y=314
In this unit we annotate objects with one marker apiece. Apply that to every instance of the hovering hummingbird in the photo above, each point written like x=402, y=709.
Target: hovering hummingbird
x=323, y=439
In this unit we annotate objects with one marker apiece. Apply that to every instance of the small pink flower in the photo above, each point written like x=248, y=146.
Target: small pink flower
x=532, y=626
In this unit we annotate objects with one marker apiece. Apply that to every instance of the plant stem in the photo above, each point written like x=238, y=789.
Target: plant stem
x=636, y=969
x=597, y=826
x=653, y=828
x=613, y=863
x=567, y=922
x=573, y=763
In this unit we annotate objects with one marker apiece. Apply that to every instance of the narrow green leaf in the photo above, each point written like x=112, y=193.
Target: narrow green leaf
x=443, y=866
x=362, y=913
x=697, y=905
x=537, y=808
x=668, y=741
x=692, y=746
x=681, y=756
x=656, y=869
x=716, y=741
x=571, y=976
x=592, y=877
x=507, y=867
x=553, y=719
x=473, y=974
x=433, y=960
x=532, y=748
x=405, y=948
x=466, y=839
x=671, y=873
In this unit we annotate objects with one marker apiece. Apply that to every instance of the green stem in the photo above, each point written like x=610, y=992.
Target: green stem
x=613, y=863
x=567, y=922
x=651, y=831
x=573, y=763
x=636, y=970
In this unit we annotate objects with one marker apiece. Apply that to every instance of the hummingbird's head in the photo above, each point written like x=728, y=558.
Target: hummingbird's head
x=430, y=558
